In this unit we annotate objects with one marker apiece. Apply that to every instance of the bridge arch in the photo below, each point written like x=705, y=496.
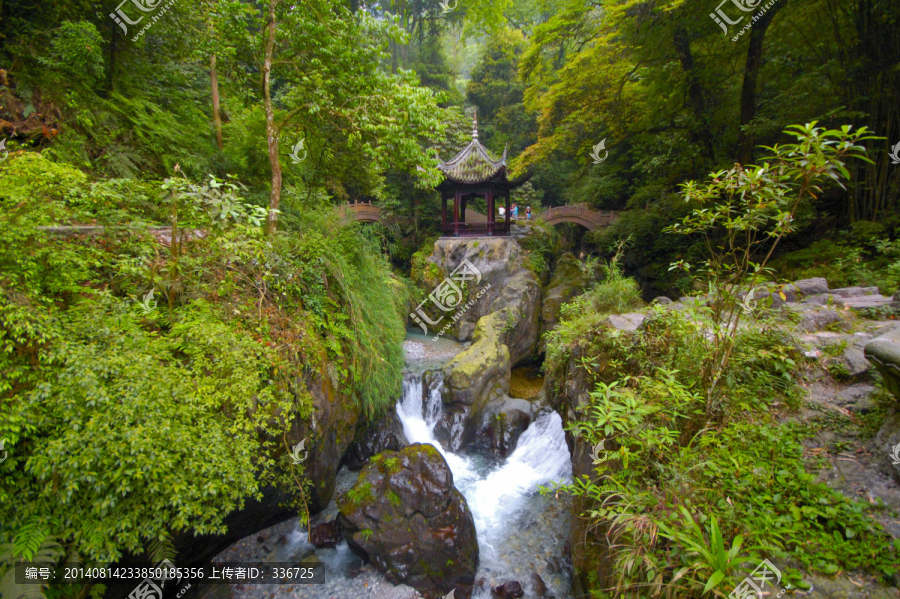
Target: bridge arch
x=590, y=219
x=360, y=211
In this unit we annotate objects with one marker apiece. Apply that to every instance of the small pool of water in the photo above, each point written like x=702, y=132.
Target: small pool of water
x=526, y=382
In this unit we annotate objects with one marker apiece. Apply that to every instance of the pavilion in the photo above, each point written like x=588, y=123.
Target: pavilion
x=474, y=173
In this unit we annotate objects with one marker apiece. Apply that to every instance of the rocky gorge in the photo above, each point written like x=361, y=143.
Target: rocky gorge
x=426, y=510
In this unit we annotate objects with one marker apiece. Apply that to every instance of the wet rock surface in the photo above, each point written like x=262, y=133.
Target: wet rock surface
x=345, y=575
x=386, y=433
x=327, y=534
x=405, y=517
x=508, y=590
x=475, y=377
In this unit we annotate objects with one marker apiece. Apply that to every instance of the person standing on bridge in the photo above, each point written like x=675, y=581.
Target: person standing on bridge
x=515, y=212
x=502, y=212
x=527, y=212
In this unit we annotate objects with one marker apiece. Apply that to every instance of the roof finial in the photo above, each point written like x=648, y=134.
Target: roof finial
x=475, y=125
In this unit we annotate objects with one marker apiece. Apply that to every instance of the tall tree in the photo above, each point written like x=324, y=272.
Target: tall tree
x=751, y=75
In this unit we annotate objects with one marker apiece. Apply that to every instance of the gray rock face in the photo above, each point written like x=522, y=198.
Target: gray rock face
x=847, y=292
x=820, y=299
x=855, y=361
x=405, y=517
x=791, y=292
x=628, y=322
x=808, y=287
x=506, y=285
x=862, y=302
x=567, y=282
x=817, y=319
x=385, y=433
x=855, y=291
x=884, y=353
x=502, y=422
x=331, y=435
x=886, y=439
x=855, y=398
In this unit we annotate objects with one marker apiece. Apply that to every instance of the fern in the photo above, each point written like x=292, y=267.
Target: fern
x=32, y=543
x=161, y=549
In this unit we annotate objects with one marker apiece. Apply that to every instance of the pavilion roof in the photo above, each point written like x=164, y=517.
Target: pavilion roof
x=474, y=164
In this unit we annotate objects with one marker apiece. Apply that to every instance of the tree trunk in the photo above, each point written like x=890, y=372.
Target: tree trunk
x=751, y=73
x=695, y=92
x=112, y=56
x=271, y=133
x=214, y=84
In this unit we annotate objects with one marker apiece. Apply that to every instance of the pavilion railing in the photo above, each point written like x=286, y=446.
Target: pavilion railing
x=476, y=229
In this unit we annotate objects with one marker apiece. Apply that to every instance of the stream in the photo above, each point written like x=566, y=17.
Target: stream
x=521, y=534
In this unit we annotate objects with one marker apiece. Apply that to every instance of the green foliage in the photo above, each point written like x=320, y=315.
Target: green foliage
x=742, y=215
x=578, y=318
x=360, y=493
x=126, y=426
x=846, y=261
x=77, y=50
x=681, y=505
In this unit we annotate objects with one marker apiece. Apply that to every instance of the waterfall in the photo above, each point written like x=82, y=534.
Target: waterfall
x=496, y=495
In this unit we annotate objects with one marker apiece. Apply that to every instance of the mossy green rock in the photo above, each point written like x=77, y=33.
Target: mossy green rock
x=472, y=379
x=405, y=517
x=568, y=281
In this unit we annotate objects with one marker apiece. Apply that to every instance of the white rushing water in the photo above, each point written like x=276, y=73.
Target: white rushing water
x=501, y=495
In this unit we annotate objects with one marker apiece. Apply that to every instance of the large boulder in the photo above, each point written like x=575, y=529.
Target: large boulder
x=473, y=378
x=328, y=434
x=405, y=517
x=502, y=283
x=808, y=287
x=884, y=353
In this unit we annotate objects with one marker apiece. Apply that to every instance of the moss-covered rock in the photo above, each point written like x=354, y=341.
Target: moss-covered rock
x=569, y=280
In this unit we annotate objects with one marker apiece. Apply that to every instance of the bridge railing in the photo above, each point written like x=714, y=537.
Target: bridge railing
x=601, y=218
x=482, y=229
x=362, y=211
